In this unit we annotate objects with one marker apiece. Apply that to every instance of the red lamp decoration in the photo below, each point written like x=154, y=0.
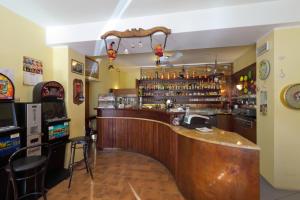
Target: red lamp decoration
x=159, y=52
x=111, y=53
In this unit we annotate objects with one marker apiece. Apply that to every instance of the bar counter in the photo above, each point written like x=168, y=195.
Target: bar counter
x=217, y=165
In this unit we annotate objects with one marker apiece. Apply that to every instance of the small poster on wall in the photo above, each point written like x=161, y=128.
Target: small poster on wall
x=263, y=102
x=78, y=97
x=32, y=71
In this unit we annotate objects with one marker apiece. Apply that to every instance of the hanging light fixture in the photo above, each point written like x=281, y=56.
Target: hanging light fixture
x=133, y=33
x=126, y=51
x=112, y=53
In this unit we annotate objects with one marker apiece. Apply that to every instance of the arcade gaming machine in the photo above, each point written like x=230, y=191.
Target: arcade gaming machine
x=55, y=127
x=9, y=131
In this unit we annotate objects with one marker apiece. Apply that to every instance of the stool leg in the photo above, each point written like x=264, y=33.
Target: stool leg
x=43, y=189
x=85, y=154
x=85, y=157
x=73, y=146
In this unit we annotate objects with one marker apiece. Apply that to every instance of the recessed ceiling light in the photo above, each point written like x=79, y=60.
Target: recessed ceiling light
x=140, y=44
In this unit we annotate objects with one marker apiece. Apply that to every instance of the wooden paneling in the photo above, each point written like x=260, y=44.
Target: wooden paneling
x=208, y=171
x=245, y=127
x=224, y=122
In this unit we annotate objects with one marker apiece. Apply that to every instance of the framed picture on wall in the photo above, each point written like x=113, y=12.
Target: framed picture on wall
x=91, y=68
x=78, y=97
x=77, y=67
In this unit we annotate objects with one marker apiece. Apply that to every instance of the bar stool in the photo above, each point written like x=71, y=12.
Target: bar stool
x=27, y=173
x=83, y=141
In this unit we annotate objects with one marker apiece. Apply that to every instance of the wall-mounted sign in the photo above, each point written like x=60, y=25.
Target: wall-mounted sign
x=290, y=96
x=78, y=97
x=263, y=106
x=32, y=71
x=91, y=68
x=77, y=67
x=6, y=88
x=264, y=69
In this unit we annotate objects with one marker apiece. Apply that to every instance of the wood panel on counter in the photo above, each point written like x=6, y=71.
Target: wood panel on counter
x=202, y=169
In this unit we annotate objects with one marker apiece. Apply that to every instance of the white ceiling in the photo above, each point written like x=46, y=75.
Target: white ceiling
x=182, y=41
x=66, y=12
x=224, y=55
x=198, y=26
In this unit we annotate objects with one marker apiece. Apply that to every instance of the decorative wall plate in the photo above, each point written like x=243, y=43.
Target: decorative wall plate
x=264, y=69
x=290, y=96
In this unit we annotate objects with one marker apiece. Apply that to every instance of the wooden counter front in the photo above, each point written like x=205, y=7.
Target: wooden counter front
x=204, y=166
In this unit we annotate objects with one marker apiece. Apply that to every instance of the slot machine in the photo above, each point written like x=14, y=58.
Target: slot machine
x=9, y=131
x=55, y=127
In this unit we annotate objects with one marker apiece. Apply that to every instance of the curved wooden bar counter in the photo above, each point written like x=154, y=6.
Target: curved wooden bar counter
x=220, y=165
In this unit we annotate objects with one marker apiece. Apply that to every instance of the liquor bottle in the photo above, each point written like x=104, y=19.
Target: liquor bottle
x=156, y=75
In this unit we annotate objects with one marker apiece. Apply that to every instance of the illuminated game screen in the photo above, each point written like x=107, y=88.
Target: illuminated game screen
x=9, y=144
x=58, y=131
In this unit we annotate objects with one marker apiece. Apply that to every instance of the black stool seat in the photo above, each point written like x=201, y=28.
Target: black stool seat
x=27, y=173
x=79, y=140
x=28, y=163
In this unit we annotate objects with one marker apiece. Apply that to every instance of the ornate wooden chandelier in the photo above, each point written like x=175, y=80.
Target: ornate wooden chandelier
x=112, y=51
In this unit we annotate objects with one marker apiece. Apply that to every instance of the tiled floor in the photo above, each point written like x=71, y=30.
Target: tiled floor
x=120, y=176
x=130, y=176
x=267, y=192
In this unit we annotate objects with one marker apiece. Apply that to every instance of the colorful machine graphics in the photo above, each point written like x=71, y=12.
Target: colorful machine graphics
x=58, y=131
x=6, y=88
x=53, y=89
x=9, y=144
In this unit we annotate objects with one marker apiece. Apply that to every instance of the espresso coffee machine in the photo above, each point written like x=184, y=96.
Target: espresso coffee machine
x=9, y=129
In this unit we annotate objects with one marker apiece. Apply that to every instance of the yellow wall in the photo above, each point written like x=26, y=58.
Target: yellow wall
x=62, y=57
x=287, y=126
x=278, y=131
x=128, y=77
x=20, y=37
x=265, y=123
x=248, y=58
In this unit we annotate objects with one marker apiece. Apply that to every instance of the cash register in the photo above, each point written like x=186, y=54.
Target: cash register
x=193, y=121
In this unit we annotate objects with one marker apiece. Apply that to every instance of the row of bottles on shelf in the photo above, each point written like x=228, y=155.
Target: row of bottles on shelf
x=174, y=75
x=190, y=100
x=182, y=86
x=179, y=93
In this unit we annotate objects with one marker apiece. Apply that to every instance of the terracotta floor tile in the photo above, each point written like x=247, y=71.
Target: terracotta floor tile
x=120, y=176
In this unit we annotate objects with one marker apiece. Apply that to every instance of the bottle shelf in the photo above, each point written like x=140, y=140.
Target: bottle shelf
x=211, y=76
x=199, y=90
x=190, y=96
x=180, y=90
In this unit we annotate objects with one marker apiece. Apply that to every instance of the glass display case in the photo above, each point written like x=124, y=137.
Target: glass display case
x=106, y=101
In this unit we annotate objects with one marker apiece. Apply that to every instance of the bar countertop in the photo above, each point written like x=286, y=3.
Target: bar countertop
x=216, y=136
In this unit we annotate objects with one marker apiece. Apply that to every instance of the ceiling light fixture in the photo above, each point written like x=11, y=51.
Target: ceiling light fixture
x=158, y=49
x=140, y=44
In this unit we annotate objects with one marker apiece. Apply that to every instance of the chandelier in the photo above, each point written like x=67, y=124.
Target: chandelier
x=112, y=48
